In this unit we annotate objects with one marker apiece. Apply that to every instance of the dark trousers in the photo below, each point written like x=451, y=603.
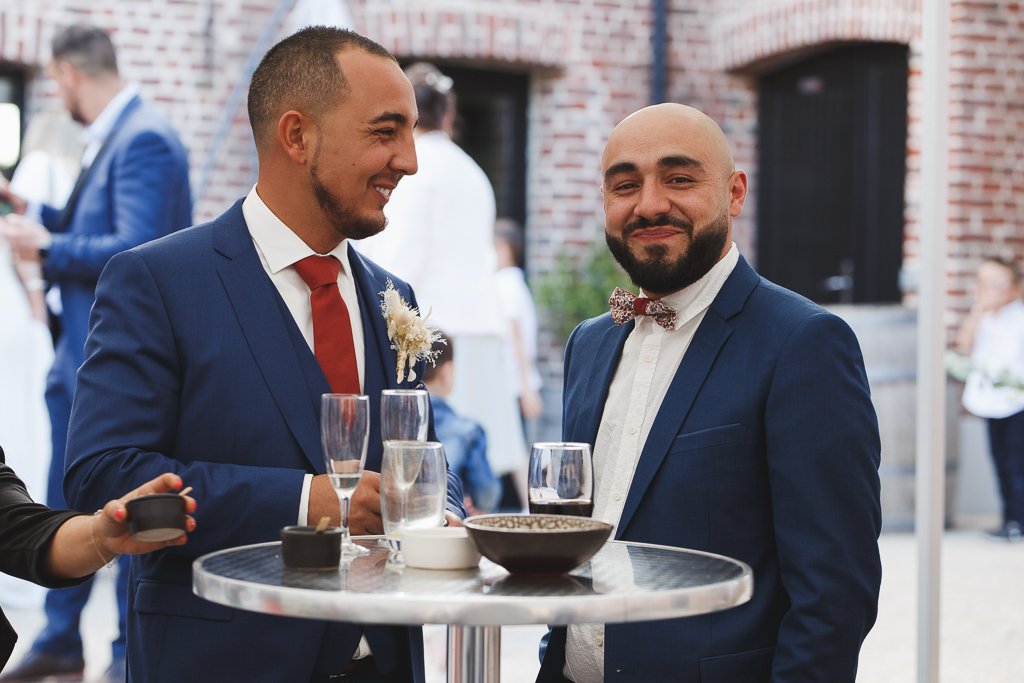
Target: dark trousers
x=61, y=636
x=1006, y=440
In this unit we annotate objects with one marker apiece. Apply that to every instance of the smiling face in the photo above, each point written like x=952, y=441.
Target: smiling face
x=364, y=145
x=670, y=194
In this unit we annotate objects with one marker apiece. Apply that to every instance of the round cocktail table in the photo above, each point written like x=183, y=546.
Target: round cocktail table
x=623, y=582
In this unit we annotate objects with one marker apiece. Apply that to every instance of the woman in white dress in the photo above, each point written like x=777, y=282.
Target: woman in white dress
x=46, y=173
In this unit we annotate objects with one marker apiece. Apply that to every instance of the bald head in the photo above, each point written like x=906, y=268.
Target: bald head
x=670, y=191
x=679, y=130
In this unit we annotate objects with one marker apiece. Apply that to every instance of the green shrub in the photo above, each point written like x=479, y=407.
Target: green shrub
x=578, y=287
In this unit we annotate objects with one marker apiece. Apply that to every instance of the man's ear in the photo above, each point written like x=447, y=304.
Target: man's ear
x=65, y=72
x=296, y=134
x=737, y=192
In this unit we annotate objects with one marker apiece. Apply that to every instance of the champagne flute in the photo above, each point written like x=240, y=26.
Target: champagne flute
x=561, y=479
x=413, y=489
x=344, y=435
x=404, y=414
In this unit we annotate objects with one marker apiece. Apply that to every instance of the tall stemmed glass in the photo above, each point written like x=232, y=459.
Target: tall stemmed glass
x=561, y=479
x=404, y=414
x=413, y=487
x=344, y=435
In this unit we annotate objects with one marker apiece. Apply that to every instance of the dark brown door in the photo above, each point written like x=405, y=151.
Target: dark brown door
x=832, y=138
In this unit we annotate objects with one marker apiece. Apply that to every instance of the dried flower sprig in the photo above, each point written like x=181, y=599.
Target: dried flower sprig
x=410, y=336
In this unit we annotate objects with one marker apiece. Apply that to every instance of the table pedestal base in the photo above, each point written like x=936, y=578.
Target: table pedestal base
x=474, y=654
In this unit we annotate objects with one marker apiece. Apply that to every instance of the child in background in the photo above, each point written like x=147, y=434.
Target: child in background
x=464, y=440
x=993, y=336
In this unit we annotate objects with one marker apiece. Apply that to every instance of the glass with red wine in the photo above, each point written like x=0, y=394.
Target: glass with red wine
x=561, y=479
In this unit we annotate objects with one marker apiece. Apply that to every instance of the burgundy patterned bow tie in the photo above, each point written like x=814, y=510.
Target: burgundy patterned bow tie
x=625, y=306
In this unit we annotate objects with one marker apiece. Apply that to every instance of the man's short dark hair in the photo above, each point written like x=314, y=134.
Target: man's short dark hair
x=302, y=72
x=87, y=47
x=445, y=354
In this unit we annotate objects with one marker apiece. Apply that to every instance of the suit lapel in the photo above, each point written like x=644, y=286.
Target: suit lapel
x=379, y=360
x=589, y=418
x=83, y=177
x=700, y=357
x=258, y=308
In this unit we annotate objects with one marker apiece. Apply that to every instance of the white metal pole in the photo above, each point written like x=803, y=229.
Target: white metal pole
x=931, y=332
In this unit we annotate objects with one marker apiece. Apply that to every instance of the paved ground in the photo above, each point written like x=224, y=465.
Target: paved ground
x=982, y=619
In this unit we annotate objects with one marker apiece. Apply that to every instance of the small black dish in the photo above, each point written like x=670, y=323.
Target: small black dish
x=156, y=517
x=304, y=549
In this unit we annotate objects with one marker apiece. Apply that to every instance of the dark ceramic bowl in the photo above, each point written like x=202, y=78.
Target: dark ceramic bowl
x=537, y=544
x=303, y=548
x=156, y=517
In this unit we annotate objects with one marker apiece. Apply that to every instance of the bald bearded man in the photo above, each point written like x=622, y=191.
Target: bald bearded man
x=739, y=423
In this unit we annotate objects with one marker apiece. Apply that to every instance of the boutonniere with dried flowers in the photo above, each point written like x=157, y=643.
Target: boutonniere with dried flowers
x=410, y=337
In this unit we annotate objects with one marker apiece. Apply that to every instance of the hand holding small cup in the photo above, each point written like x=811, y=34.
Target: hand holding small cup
x=110, y=526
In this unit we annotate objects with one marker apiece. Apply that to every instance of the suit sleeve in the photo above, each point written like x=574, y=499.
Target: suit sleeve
x=823, y=454
x=141, y=209
x=126, y=415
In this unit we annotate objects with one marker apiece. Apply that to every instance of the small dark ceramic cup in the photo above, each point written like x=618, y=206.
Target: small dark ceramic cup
x=303, y=548
x=156, y=517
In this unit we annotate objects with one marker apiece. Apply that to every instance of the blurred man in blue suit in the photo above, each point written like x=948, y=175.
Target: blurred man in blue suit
x=133, y=188
x=727, y=415
x=209, y=350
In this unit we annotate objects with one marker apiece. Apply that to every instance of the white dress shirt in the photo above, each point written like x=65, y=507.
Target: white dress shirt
x=97, y=132
x=650, y=359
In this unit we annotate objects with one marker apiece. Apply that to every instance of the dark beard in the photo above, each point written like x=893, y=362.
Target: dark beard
x=653, y=272
x=344, y=221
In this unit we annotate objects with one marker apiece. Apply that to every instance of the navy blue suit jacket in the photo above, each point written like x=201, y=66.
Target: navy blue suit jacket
x=135, y=190
x=194, y=365
x=764, y=449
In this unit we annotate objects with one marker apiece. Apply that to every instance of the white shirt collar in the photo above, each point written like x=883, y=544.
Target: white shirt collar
x=99, y=130
x=690, y=301
x=280, y=246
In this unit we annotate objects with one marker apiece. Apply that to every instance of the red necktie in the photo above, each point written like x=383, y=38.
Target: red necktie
x=332, y=329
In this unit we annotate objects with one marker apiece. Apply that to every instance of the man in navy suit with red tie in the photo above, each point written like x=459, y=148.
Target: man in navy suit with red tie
x=728, y=415
x=209, y=350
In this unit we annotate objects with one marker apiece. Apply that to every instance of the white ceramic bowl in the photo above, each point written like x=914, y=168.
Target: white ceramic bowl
x=440, y=547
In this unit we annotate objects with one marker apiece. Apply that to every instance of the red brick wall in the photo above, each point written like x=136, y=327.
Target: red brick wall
x=986, y=139
x=589, y=62
x=183, y=62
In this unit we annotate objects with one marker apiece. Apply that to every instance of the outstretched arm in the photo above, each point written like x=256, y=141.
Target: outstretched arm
x=85, y=543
